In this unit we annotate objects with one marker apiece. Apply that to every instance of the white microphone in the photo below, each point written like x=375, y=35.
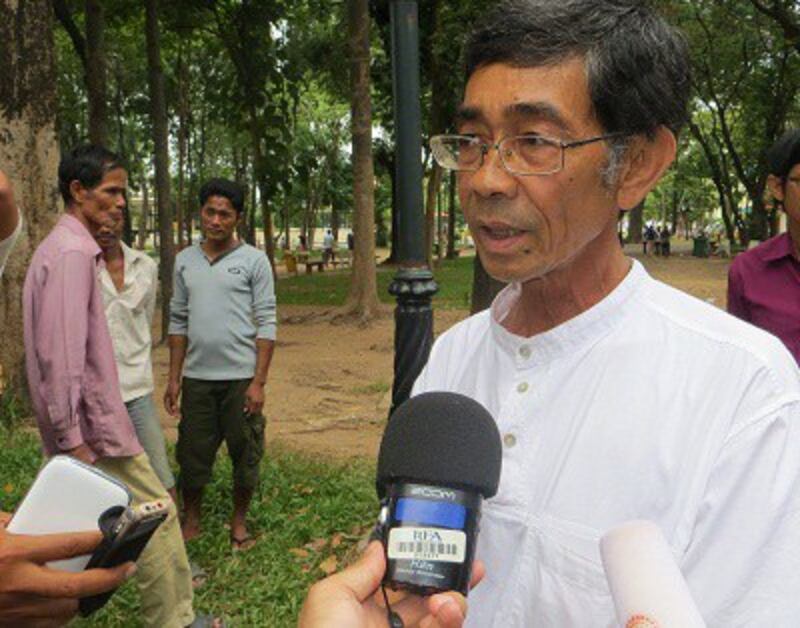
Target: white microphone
x=645, y=581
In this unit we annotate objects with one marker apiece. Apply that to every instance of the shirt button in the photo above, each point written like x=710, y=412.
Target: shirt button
x=509, y=440
x=525, y=351
x=522, y=387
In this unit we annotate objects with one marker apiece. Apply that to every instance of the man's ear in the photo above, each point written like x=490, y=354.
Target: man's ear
x=77, y=191
x=775, y=185
x=645, y=163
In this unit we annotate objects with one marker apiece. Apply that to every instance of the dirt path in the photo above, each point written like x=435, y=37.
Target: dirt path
x=329, y=386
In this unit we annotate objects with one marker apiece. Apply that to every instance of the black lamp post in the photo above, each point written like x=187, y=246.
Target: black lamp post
x=413, y=285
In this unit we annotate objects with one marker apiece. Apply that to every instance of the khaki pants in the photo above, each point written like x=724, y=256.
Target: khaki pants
x=163, y=575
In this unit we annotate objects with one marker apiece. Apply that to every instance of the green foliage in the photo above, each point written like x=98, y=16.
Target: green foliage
x=330, y=289
x=305, y=511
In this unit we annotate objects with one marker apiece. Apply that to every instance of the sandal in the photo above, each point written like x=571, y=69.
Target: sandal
x=199, y=575
x=207, y=621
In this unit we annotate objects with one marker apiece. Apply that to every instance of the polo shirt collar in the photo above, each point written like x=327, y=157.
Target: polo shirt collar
x=575, y=334
x=778, y=248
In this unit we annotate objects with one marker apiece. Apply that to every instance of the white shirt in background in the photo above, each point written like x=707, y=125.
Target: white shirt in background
x=649, y=405
x=8, y=244
x=130, y=317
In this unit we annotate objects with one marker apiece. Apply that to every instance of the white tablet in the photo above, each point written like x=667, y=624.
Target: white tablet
x=67, y=496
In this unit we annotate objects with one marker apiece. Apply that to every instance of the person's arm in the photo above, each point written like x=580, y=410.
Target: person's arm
x=742, y=563
x=254, y=395
x=60, y=338
x=265, y=317
x=737, y=304
x=178, y=340
x=9, y=212
x=33, y=594
x=348, y=599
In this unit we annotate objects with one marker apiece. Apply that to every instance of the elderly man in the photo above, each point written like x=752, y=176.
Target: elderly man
x=617, y=397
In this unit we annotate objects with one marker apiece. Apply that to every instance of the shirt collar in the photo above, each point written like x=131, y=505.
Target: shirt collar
x=578, y=332
x=77, y=227
x=777, y=248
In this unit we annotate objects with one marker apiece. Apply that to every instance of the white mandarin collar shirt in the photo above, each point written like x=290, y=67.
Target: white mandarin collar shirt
x=649, y=405
x=130, y=317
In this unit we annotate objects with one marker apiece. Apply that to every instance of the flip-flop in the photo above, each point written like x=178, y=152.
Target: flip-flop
x=207, y=621
x=244, y=543
x=199, y=575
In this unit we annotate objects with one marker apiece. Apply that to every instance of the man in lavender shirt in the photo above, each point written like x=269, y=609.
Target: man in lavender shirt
x=73, y=378
x=764, y=282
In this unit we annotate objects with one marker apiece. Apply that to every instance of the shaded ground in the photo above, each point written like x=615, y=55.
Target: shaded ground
x=329, y=385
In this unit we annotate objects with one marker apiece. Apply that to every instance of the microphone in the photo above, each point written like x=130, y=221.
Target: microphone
x=646, y=583
x=440, y=457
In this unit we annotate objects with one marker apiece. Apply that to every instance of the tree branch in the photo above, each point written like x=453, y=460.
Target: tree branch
x=63, y=15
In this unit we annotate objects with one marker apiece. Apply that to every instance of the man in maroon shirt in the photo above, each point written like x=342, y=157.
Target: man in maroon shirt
x=764, y=283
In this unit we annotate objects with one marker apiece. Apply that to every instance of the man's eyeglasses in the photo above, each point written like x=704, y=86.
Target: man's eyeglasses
x=524, y=155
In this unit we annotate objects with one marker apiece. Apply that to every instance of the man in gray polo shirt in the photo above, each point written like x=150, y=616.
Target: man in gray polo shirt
x=222, y=325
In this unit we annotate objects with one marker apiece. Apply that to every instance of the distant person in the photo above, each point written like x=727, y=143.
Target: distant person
x=10, y=220
x=663, y=238
x=764, y=282
x=327, y=247
x=351, y=241
x=222, y=323
x=649, y=239
x=72, y=377
x=302, y=243
x=129, y=282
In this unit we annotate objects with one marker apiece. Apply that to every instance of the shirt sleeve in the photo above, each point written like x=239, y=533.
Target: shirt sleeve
x=179, y=304
x=8, y=244
x=737, y=304
x=264, y=306
x=60, y=343
x=743, y=562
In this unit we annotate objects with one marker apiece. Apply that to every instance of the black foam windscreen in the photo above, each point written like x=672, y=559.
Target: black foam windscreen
x=441, y=439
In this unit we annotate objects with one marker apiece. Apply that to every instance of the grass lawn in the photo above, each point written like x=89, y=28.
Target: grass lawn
x=330, y=288
x=309, y=515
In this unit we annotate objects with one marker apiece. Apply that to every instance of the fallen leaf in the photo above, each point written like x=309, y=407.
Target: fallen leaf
x=299, y=552
x=329, y=565
x=8, y=488
x=317, y=544
x=336, y=540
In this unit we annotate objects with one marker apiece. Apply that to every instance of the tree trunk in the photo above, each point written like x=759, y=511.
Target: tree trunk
x=183, y=114
x=96, y=73
x=484, y=287
x=434, y=181
x=451, y=217
x=635, y=224
x=143, y=221
x=158, y=116
x=362, y=299
x=28, y=154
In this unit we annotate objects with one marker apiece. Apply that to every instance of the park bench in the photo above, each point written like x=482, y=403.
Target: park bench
x=311, y=263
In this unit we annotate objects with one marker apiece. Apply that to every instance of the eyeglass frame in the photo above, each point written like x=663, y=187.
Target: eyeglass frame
x=485, y=147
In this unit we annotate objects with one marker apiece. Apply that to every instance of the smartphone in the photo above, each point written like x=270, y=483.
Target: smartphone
x=68, y=496
x=126, y=533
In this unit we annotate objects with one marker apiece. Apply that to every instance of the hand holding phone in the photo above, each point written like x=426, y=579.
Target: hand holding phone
x=126, y=532
x=31, y=592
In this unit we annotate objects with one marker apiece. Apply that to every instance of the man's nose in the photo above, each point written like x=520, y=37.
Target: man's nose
x=491, y=178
